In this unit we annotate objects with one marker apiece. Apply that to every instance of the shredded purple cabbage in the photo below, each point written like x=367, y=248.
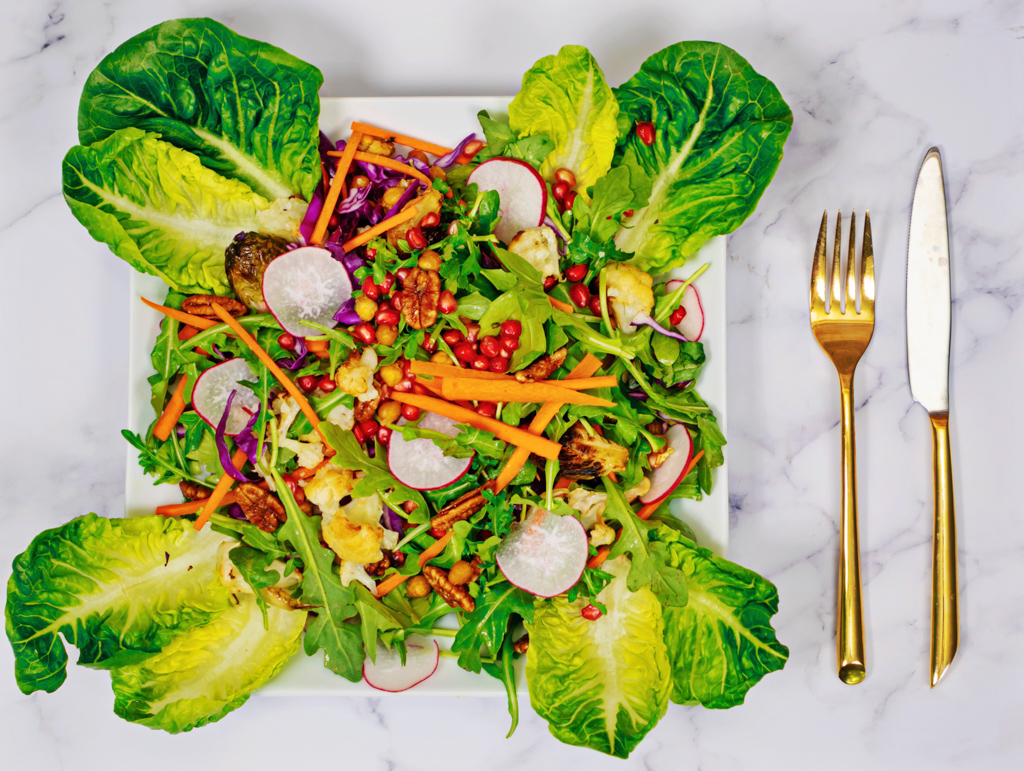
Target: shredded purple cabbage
x=401, y=202
x=650, y=322
x=447, y=160
x=235, y=512
x=247, y=441
x=222, y=445
x=346, y=313
x=393, y=521
x=300, y=356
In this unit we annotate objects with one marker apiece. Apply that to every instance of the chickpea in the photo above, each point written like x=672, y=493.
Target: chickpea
x=419, y=155
x=359, y=180
x=429, y=260
x=392, y=373
x=461, y=573
x=391, y=195
x=417, y=586
x=386, y=335
x=389, y=412
x=366, y=308
x=441, y=358
x=436, y=172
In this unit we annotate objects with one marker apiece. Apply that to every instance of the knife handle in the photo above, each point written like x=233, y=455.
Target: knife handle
x=849, y=617
x=945, y=606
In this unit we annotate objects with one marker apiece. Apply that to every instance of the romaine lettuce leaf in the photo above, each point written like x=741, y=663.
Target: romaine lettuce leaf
x=566, y=98
x=719, y=132
x=160, y=209
x=247, y=109
x=601, y=684
x=209, y=671
x=722, y=643
x=117, y=589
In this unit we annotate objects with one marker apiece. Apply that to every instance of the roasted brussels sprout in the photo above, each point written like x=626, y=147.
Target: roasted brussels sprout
x=245, y=259
x=585, y=455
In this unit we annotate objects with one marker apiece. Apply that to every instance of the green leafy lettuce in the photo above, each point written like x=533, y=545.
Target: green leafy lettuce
x=117, y=589
x=247, y=109
x=566, y=98
x=719, y=131
x=202, y=675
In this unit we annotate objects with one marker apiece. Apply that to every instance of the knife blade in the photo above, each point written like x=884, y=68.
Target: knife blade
x=929, y=317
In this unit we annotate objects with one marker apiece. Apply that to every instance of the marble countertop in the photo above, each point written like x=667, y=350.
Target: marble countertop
x=872, y=86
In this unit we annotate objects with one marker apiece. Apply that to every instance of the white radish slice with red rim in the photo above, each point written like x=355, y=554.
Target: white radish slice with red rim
x=692, y=325
x=214, y=386
x=545, y=554
x=669, y=474
x=420, y=463
x=387, y=673
x=305, y=284
x=523, y=194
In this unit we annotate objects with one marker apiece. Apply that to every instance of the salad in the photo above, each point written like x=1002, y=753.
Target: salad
x=411, y=392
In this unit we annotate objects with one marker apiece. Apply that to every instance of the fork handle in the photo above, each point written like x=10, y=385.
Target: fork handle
x=850, y=623
x=945, y=609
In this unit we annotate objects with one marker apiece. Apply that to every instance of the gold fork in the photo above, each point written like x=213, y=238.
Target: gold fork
x=844, y=334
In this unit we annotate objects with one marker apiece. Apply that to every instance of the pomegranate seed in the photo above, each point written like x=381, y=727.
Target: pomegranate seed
x=489, y=346
x=510, y=344
x=364, y=333
x=436, y=532
x=549, y=282
x=452, y=336
x=396, y=301
x=333, y=222
x=645, y=130
x=384, y=435
x=430, y=220
x=410, y=412
x=481, y=363
x=429, y=344
x=472, y=332
x=410, y=506
x=487, y=409
x=567, y=202
x=595, y=305
x=446, y=302
x=307, y=382
x=453, y=228
x=407, y=367
x=371, y=253
x=465, y=352
x=370, y=289
x=566, y=176
x=473, y=147
x=401, y=274
x=677, y=315
x=627, y=213
x=326, y=384
x=498, y=364
x=358, y=433
x=418, y=388
x=590, y=613
x=289, y=480
x=576, y=272
x=511, y=328
x=369, y=427
x=580, y=295
x=286, y=341
x=388, y=317
x=416, y=238
x=387, y=283
x=402, y=386
x=559, y=190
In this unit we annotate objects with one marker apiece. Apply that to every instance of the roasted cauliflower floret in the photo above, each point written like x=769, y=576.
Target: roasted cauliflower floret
x=629, y=293
x=343, y=417
x=539, y=247
x=602, y=534
x=308, y=449
x=327, y=487
x=355, y=534
x=355, y=375
x=585, y=455
x=589, y=503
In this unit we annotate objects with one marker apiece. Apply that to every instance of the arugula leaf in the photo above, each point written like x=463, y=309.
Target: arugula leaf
x=488, y=624
x=351, y=455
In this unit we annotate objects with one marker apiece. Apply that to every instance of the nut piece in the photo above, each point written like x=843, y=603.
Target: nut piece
x=658, y=457
x=376, y=146
x=461, y=508
x=418, y=586
x=201, y=305
x=522, y=644
x=420, y=293
x=193, y=492
x=454, y=595
x=366, y=410
x=543, y=367
x=260, y=507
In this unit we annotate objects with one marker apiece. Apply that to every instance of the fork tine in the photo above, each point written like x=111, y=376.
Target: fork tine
x=867, y=269
x=833, y=306
x=818, y=269
x=851, y=269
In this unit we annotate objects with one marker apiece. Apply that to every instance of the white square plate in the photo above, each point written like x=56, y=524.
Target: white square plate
x=444, y=120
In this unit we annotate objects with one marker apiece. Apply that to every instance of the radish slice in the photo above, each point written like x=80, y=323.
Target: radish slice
x=388, y=674
x=522, y=192
x=669, y=474
x=214, y=386
x=545, y=554
x=305, y=284
x=692, y=325
x=420, y=463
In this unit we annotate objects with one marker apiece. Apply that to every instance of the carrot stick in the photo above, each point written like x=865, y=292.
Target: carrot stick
x=415, y=144
x=587, y=367
x=601, y=556
x=563, y=483
x=428, y=554
x=190, y=507
x=387, y=163
x=221, y=488
x=303, y=473
x=433, y=369
x=337, y=185
x=187, y=332
x=403, y=216
x=564, y=307
x=172, y=412
x=536, y=444
x=434, y=386
x=647, y=509
x=263, y=356
x=318, y=348
x=514, y=391
x=185, y=318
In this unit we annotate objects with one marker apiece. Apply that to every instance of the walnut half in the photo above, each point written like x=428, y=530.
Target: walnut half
x=421, y=291
x=260, y=507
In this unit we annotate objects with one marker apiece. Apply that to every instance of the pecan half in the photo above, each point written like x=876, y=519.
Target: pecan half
x=454, y=595
x=420, y=293
x=260, y=506
x=202, y=305
x=461, y=508
x=193, y=492
x=543, y=368
x=522, y=644
x=366, y=410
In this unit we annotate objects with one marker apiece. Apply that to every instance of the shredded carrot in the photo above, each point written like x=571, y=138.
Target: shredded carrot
x=562, y=483
x=514, y=391
x=601, y=556
x=190, y=507
x=318, y=347
x=536, y=444
x=434, y=386
x=428, y=554
x=415, y=144
x=220, y=490
x=450, y=370
x=187, y=332
x=647, y=509
x=263, y=356
x=172, y=412
x=405, y=215
x=336, y=189
x=564, y=307
x=587, y=367
x=185, y=318
x=304, y=473
x=387, y=163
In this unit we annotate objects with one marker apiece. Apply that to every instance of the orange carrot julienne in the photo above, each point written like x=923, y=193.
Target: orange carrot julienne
x=587, y=367
x=220, y=489
x=318, y=348
x=564, y=307
x=434, y=386
x=514, y=391
x=387, y=163
x=647, y=509
x=185, y=318
x=536, y=444
x=562, y=483
x=303, y=473
x=601, y=556
x=172, y=412
x=336, y=188
x=403, y=216
x=450, y=370
x=263, y=356
x=428, y=554
x=190, y=507
x=415, y=144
